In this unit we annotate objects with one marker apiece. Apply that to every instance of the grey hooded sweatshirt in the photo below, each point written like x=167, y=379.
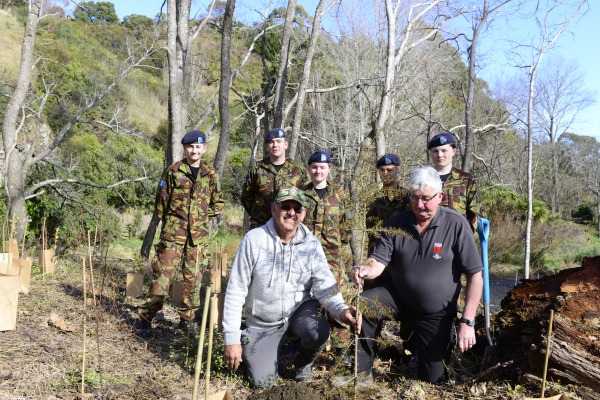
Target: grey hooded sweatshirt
x=270, y=280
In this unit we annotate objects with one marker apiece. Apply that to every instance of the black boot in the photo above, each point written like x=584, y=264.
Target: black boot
x=304, y=362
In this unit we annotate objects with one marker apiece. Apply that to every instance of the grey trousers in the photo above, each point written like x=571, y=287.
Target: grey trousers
x=261, y=345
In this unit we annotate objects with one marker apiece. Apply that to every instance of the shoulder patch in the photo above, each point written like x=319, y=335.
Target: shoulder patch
x=162, y=183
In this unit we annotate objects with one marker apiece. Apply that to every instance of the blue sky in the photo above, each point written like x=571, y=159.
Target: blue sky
x=578, y=43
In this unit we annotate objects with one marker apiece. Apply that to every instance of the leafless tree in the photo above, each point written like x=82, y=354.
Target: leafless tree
x=561, y=97
x=549, y=31
x=23, y=127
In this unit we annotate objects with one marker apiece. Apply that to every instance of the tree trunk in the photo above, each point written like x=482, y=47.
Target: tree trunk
x=178, y=14
x=16, y=170
x=283, y=61
x=316, y=29
x=221, y=155
x=574, y=295
x=472, y=56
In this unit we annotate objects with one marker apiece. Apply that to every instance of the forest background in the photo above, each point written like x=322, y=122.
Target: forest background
x=94, y=131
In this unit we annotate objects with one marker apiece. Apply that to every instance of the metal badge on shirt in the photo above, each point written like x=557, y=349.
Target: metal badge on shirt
x=437, y=248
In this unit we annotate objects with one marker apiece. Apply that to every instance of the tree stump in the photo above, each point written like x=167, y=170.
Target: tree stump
x=574, y=295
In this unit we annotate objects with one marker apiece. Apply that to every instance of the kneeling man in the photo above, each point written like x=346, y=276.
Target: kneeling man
x=281, y=278
x=425, y=265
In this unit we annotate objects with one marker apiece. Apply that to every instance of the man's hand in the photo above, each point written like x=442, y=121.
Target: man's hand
x=370, y=271
x=349, y=317
x=233, y=356
x=465, y=337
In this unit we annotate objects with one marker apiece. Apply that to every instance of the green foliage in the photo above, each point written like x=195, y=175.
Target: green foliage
x=137, y=22
x=583, y=213
x=500, y=200
x=102, y=12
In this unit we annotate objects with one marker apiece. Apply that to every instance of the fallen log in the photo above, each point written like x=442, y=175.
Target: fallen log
x=574, y=295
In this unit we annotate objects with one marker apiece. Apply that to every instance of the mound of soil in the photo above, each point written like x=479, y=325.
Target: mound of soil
x=291, y=390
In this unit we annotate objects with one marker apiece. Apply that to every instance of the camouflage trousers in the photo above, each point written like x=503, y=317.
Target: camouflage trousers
x=170, y=256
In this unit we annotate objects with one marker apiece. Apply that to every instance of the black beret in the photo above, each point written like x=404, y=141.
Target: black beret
x=441, y=139
x=388, y=159
x=319, y=156
x=194, y=137
x=275, y=133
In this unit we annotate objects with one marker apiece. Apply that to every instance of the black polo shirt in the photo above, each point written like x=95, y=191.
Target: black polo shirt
x=426, y=270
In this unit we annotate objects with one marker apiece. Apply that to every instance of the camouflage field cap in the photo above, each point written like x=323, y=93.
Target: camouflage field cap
x=292, y=193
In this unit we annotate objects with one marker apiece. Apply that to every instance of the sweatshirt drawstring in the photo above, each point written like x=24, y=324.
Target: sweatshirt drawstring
x=291, y=259
x=273, y=266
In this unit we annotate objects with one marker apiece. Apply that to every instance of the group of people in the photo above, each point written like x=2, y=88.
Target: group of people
x=288, y=277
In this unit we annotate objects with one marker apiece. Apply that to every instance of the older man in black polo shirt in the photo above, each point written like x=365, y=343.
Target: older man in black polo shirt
x=426, y=263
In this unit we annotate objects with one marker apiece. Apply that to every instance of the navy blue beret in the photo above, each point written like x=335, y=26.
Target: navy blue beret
x=274, y=134
x=194, y=137
x=441, y=139
x=319, y=156
x=388, y=159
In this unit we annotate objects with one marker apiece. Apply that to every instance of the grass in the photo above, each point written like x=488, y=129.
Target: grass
x=11, y=36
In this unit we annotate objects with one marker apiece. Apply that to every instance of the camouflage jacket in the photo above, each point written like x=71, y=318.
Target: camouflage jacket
x=460, y=194
x=184, y=204
x=390, y=202
x=263, y=182
x=326, y=219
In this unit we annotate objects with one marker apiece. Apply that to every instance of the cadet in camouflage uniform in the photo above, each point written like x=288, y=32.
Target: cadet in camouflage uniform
x=460, y=191
x=393, y=198
x=267, y=176
x=188, y=196
x=326, y=216
x=326, y=219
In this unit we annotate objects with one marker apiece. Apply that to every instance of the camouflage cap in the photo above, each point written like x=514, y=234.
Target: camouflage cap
x=292, y=193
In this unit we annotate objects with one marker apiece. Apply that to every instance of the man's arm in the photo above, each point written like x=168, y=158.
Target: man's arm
x=466, y=333
x=249, y=189
x=216, y=200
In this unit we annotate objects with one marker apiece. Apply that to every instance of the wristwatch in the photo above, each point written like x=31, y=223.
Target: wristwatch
x=470, y=322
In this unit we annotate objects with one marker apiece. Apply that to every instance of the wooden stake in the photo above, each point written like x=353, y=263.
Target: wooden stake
x=198, y=368
x=84, y=329
x=91, y=269
x=211, y=329
x=362, y=247
x=547, y=352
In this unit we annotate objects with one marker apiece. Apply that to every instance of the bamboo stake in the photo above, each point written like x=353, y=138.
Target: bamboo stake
x=84, y=328
x=358, y=289
x=547, y=352
x=24, y=239
x=91, y=267
x=211, y=329
x=44, y=245
x=198, y=368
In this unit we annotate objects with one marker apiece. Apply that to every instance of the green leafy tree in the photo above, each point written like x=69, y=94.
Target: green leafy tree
x=102, y=12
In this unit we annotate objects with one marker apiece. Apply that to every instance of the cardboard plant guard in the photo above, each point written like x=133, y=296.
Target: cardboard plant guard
x=135, y=285
x=46, y=260
x=22, y=268
x=6, y=261
x=177, y=294
x=9, y=296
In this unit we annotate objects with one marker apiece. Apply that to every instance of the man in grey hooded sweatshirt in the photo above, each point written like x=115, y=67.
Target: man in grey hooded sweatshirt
x=281, y=279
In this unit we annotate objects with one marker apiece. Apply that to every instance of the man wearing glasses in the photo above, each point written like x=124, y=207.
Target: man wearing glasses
x=430, y=248
x=277, y=267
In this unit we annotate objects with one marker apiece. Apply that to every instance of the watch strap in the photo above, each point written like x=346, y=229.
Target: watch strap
x=470, y=322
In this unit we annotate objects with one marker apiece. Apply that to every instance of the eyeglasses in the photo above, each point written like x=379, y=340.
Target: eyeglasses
x=287, y=207
x=415, y=199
